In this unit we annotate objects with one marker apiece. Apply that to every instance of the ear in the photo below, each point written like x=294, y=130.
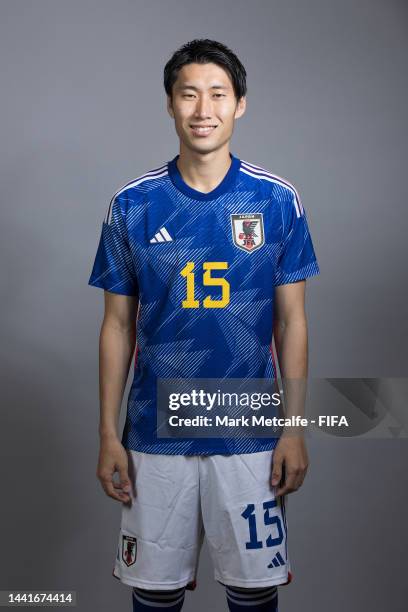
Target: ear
x=241, y=106
x=170, y=107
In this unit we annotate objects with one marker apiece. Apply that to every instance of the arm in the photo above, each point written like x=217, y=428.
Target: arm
x=290, y=329
x=116, y=347
x=290, y=334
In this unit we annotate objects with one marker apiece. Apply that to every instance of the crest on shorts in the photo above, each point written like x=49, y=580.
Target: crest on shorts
x=129, y=548
x=248, y=231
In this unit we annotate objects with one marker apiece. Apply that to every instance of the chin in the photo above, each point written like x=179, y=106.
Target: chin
x=201, y=147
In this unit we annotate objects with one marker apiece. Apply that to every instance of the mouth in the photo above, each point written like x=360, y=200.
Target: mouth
x=202, y=130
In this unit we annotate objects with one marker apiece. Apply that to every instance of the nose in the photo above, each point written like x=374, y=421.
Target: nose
x=203, y=107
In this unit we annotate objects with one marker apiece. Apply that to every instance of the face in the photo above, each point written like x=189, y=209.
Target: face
x=204, y=107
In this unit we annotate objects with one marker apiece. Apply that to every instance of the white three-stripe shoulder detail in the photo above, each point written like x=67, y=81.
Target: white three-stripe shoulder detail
x=261, y=174
x=148, y=176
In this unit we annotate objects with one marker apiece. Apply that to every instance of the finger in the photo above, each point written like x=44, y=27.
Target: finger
x=276, y=474
x=300, y=478
x=119, y=487
x=124, y=478
x=109, y=487
x=119, y=496
x=290, y=484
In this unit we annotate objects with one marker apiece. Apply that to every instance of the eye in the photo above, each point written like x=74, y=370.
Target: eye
x=219, y=95
x=188, y=95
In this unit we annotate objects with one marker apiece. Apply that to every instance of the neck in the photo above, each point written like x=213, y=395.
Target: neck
x=203, y=171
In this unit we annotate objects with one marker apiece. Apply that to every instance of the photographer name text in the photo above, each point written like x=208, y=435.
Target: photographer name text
x=257, y=421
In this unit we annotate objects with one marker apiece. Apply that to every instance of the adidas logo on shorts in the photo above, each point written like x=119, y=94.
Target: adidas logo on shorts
x=277, y=561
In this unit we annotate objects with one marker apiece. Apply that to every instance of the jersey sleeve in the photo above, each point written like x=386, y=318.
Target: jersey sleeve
x=297, y=259
x=113, y=269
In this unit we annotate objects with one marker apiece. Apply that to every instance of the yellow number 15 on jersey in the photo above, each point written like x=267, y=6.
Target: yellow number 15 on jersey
x=208, y=302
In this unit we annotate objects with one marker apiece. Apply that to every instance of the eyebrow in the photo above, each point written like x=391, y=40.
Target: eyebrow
x=216, y=86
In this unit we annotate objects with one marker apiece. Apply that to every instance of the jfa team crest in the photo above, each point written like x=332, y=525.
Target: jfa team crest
x=248, y=231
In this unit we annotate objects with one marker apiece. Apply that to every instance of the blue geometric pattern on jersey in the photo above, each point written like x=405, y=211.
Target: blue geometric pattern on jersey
x=153, y=227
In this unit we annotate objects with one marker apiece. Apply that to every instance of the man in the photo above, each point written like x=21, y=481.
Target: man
x=201, y=259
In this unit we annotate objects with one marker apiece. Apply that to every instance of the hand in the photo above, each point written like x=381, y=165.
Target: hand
x=113, y=458
x=289, y=457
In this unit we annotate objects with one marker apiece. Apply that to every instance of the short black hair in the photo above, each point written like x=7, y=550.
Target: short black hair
x=205, y=51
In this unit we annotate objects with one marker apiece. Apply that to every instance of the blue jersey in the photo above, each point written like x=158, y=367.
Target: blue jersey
x=204, y=267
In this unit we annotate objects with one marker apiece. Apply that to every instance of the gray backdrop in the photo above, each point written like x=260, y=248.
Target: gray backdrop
x=83, y=112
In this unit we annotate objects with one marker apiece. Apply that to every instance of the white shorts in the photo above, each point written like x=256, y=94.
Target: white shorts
x=176, y=499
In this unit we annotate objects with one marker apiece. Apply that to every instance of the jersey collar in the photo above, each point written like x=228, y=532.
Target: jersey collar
x=226, y=183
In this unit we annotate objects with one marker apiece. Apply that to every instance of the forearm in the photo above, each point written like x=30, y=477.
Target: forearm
x=116, y=348
x=292, y=351
x=291, y=347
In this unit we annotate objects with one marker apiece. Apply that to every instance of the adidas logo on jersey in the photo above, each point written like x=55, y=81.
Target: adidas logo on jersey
x=277, y=561
x=161, y=236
